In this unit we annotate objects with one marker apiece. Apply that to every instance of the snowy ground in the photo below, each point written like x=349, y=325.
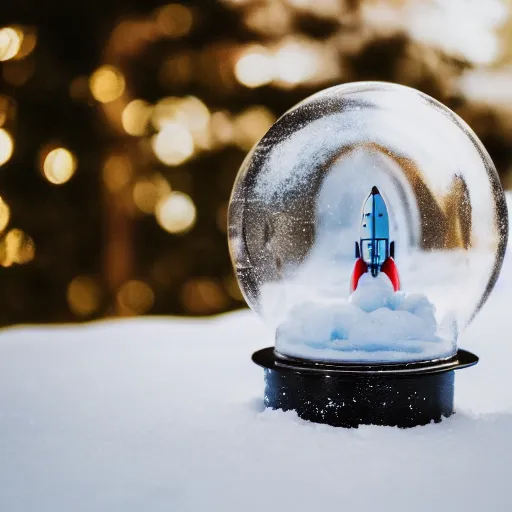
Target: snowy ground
x=165, y=415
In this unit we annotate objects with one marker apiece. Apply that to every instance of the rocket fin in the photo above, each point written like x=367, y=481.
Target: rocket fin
x=360, y=268
x=389, y=268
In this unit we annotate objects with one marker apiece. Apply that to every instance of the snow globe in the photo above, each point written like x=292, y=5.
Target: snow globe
x=367, y=228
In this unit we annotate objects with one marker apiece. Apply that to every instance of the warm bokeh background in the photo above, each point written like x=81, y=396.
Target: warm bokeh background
x=123, y=124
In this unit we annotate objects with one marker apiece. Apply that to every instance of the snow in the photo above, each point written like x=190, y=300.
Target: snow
x=165, y=415
x=375, y=324
x=404, y=121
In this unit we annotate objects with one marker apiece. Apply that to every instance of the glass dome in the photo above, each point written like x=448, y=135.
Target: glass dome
x=367, y=225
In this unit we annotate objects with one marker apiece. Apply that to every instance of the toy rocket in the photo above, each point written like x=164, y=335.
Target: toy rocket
x=374, y=251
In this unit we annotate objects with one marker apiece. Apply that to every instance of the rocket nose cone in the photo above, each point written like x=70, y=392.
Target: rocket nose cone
x=375, y=191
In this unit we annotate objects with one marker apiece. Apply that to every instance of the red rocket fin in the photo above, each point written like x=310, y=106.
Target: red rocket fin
x=389, y=268
x=360, y=268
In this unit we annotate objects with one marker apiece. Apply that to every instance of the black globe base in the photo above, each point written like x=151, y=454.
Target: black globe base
x=348, y=395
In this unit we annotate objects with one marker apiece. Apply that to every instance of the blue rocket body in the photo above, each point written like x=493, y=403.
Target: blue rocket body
x=374, y=233
x=374, y=252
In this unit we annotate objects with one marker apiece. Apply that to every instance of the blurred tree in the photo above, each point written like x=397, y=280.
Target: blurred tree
x=123, y=124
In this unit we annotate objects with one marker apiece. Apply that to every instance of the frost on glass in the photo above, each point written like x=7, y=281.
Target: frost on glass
x=296, y=213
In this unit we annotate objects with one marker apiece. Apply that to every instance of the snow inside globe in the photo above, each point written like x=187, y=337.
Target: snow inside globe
x=368, y=226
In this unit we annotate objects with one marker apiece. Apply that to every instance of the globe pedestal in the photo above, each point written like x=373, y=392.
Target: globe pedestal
x=348, y=395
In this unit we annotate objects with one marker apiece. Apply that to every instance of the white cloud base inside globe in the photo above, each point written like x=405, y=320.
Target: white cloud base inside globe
x=375, y=324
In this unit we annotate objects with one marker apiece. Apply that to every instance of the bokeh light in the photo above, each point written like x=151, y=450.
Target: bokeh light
x=167, y=111
x=59, y=166
x=255, y=67
x=173, y=145
x=174, y=20
x=136, y=116
x=6, y=146
x=176, y=213
x=28, y=43
x=222, y=128
x=296, y=62
x=292, y=61
x=332, y=9
x=149, y=191
x=189, y=111
x=134, y=298
x=203, y=296
x=188, y=114
x=107, y=84
x=16, y=247
x=195, y=112
x=251, y=125
x=11, y=39
x=83, y=296
x=5, y=214
x=117, y=171
x=269, y=18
